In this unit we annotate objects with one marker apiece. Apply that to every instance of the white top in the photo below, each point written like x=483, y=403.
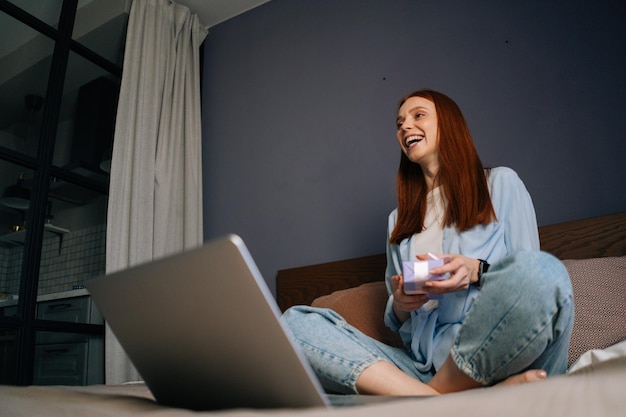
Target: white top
x=431, y=237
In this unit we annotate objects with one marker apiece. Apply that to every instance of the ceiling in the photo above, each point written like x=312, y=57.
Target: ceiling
x=212, y=12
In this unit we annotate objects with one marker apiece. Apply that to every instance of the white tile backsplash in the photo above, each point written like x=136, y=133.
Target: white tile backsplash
x=66, y=260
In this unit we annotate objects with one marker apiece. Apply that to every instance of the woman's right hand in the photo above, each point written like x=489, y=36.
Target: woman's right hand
x=403, y=303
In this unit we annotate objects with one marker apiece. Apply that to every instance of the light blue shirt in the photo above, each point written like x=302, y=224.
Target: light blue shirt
x=430, y=332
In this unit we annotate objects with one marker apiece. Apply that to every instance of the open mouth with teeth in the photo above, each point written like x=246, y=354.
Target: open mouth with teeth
x=412, y=140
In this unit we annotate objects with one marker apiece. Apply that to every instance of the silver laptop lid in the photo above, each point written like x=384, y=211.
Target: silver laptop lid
x=203, y=330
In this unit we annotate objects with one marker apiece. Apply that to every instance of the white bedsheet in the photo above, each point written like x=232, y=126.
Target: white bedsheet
x=597, y=356
x=594, y=390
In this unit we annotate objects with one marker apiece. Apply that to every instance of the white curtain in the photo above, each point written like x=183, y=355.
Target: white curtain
x=155, y=196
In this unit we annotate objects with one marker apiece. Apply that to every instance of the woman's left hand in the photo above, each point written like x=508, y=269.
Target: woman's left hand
x=463, y=271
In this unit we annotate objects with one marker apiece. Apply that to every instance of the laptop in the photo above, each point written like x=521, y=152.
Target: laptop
x=204, y=332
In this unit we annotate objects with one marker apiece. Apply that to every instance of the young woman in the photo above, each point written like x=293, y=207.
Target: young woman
x=505, y=314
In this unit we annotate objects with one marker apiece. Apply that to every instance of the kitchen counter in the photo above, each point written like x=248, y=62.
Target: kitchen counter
x=13, y=299
x=63, y=294
x=10, y=300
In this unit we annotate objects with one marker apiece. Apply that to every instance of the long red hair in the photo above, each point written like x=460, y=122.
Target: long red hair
x=461, y=176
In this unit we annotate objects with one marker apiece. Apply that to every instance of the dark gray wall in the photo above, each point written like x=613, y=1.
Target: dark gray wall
x=299, y=106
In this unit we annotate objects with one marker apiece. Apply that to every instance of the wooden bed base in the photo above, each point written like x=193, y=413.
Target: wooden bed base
x=589, y=238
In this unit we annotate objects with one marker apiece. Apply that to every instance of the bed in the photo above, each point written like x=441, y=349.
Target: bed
x=594, y=252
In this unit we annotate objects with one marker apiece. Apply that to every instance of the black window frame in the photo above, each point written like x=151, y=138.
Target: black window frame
x=26, y=323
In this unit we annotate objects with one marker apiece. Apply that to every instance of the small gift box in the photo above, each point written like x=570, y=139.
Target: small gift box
x=415, y=274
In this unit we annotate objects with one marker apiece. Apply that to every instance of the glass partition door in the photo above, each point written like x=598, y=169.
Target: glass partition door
x=60, y=68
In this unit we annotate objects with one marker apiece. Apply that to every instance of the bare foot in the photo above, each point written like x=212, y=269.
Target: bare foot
x=534, y=375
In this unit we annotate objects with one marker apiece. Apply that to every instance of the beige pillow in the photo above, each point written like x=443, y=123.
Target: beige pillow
x=363, y=307
x=599, y=302
x=599, y=298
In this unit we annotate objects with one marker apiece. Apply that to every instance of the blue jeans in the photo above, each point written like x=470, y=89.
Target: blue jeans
x=522, y=320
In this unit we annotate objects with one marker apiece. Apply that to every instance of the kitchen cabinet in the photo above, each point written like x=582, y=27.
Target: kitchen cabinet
x=69, y=358
x=7, y=352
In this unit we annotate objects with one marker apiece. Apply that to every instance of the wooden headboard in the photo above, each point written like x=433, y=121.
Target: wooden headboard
x=589, y=238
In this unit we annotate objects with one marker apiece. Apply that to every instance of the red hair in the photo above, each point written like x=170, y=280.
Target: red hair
x=461, y=176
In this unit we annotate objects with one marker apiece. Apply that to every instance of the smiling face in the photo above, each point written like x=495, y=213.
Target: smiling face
x=418, y=134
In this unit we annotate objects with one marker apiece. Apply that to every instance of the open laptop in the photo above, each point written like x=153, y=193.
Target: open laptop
x=203, y=330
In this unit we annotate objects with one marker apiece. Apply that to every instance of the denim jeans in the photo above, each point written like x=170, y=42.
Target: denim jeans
x=521, y=320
